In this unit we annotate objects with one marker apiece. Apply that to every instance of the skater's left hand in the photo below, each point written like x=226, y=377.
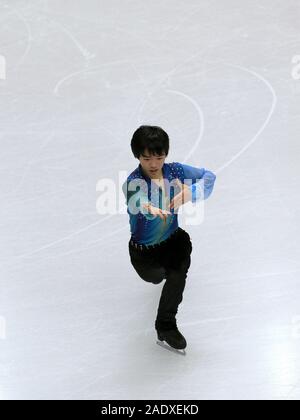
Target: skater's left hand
x=183, y=197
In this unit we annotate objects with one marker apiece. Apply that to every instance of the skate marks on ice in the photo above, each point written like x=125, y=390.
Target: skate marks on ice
x=167, y=347
x=265, y=124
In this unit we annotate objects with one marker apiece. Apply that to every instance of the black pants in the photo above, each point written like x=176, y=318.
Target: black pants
x=171, y=260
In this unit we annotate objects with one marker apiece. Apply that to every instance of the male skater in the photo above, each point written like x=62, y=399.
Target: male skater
x=159, y=249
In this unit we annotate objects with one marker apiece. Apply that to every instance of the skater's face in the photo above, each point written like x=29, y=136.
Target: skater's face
x=152, y=164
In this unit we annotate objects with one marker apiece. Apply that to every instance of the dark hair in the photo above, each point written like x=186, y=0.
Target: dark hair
x=153, y=138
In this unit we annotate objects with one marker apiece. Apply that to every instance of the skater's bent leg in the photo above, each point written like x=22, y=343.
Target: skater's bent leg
x=149, y=270
x=154, y=275
x=150, y=273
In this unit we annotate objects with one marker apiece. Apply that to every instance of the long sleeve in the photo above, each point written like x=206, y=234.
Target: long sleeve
x=202, y=182
x=133, y=198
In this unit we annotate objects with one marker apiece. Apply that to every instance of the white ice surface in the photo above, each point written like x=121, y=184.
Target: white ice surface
x=78, y=77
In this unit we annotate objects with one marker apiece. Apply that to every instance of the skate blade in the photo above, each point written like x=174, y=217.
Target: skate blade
x=167, y=347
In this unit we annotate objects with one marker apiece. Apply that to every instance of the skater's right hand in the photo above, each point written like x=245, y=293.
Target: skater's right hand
x=163, y=214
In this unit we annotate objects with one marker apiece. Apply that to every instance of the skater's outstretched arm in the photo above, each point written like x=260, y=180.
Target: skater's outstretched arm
x=202, y=180
x=196, y=184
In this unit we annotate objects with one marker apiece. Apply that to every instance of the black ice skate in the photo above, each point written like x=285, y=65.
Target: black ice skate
x=172, y=340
